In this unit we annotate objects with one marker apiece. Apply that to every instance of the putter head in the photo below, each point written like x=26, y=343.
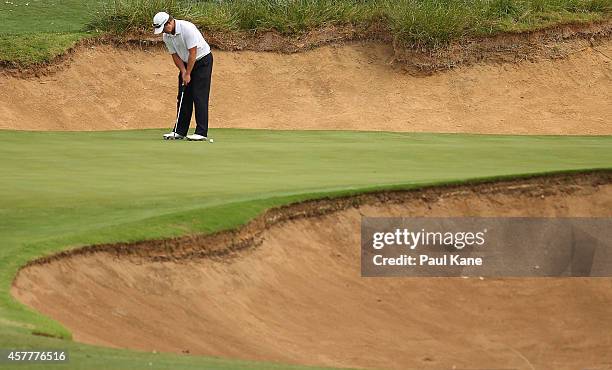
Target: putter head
x=173, y=136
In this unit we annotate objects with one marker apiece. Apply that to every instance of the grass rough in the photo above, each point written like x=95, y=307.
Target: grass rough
x=429, y=23
x=35, y=32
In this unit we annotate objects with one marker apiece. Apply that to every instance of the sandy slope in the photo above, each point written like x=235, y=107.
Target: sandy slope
x=299, y=297
x=334, y=87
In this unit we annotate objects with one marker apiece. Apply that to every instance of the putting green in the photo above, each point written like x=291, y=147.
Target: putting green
x=65, y=189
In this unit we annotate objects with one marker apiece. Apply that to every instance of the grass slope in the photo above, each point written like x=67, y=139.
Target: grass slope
x=35, y=31
x=67, y=189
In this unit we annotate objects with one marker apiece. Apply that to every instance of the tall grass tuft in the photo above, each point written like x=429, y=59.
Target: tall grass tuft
x=504, y=8
x=289, y=16
x=432, y=22
x=125, y=16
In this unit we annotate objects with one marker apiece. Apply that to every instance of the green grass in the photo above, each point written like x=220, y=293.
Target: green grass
x=42, y=29
x=66, y=189
x=35, y=48
x=45, y=16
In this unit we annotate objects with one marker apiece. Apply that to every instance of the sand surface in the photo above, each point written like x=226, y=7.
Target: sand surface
x=348, y=87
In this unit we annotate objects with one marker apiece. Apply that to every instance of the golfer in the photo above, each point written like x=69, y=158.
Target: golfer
x=191, y=55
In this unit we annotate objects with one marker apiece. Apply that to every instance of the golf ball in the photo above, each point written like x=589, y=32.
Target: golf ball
x=211, y=140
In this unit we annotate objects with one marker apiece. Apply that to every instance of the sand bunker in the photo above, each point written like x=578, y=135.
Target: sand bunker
x=298, y=296
x=334, y=87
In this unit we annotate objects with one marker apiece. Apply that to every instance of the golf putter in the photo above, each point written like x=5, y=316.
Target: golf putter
x=178, y=113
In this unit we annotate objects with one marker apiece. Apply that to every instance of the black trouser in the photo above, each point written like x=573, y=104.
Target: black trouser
x=196, y=92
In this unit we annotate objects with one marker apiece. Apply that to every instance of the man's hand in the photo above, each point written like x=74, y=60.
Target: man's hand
x=186, y=78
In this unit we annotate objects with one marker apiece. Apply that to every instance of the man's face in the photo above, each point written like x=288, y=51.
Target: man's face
x=169, y=26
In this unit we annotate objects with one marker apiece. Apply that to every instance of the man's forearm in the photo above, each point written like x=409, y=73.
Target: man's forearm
x=178, y=63
x=191, y=61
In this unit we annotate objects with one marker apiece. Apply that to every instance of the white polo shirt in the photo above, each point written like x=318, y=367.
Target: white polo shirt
x=186, y=36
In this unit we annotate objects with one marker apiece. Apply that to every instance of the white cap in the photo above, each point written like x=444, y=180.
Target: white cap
x=159, y=21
